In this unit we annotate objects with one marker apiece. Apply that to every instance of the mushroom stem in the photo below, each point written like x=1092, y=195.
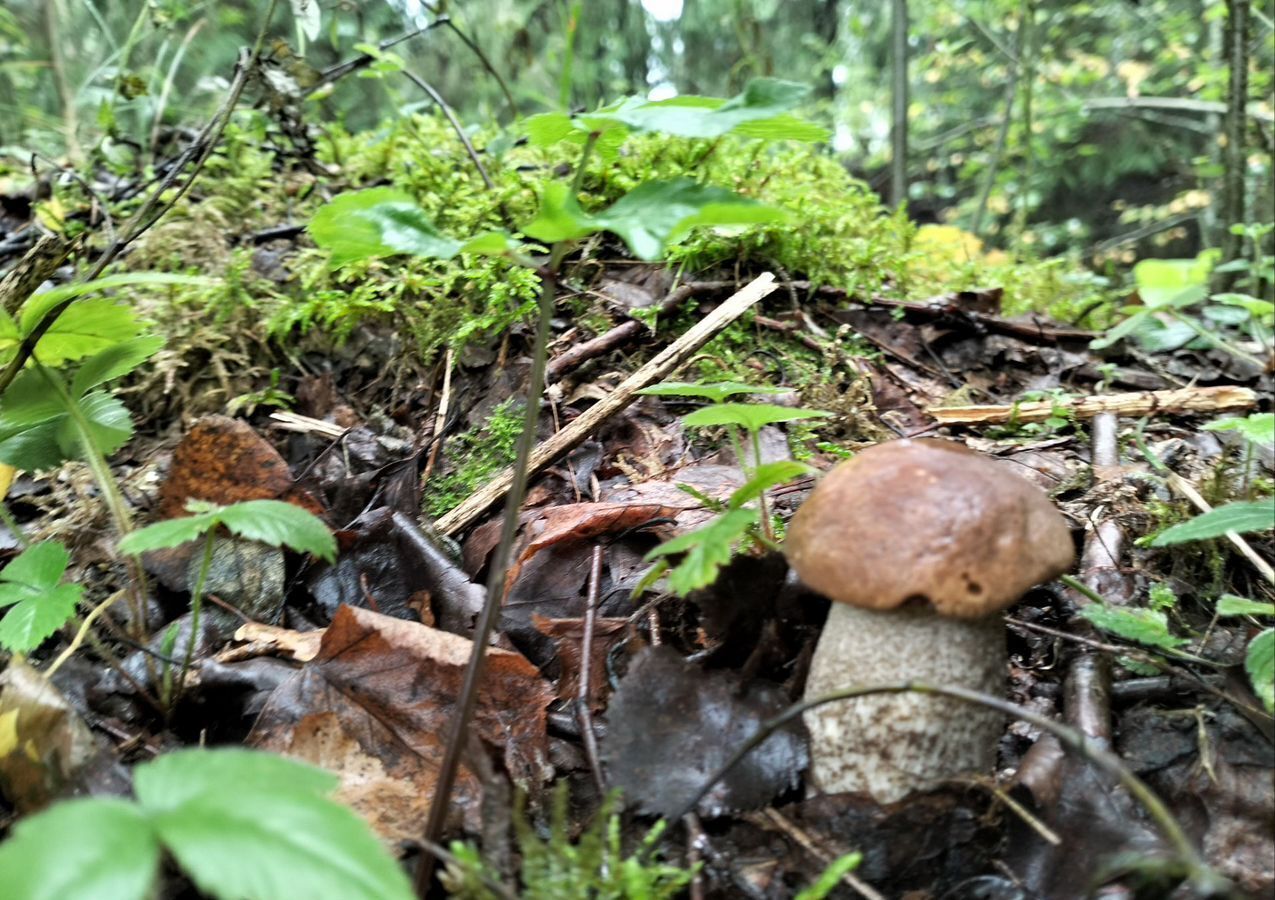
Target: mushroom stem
x=891, y=745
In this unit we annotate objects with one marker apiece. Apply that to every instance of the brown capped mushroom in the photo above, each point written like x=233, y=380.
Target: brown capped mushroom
x=918, y=543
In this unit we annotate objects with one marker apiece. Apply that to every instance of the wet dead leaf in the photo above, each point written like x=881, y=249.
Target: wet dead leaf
x=46, y=749
x=301, y=646
x=575, y=522
x=375, y=704
x=670, y=725
x=568, y=638
x=220, y=460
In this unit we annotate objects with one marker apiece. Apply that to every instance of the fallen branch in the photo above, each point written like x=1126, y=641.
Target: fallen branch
x=569, y=437
x=1140, y=403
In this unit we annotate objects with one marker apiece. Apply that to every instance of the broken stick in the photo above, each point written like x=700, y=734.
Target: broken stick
x=569, y=437
x=1140, y=403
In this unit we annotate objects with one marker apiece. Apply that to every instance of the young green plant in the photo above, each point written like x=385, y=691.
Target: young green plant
x=242, y=825
x=705, y=550
x=271, y=522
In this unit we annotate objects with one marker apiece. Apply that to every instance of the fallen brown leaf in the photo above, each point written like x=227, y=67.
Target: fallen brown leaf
x=374, y=707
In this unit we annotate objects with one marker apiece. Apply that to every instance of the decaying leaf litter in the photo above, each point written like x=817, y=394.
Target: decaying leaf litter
x=600, y=677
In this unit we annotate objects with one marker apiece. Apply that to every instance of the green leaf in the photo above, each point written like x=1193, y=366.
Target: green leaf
x=38, y=432
x=831, y=877
x=115, y=361
x=28, y=401
x=656, y=213
x=85, y=327
x=40, y=566
x=277, y=523
x=1259, y=662
x=1240, y=517
x=172, y=780
x=648, y=217
x=248, y=825
x=38, y=604
x=1258, y=428
x=166, y=534
x=1231, y=605
x=707, y=549
x=39, y=304
x=490, y=243
x=716, y=391
x=1161, y=280
x=1121, y=331
x=749, y=416
x=766, y=476
x=1257, y=307
x=547, y=129
x=108, y=422
x=1144, y=626
x=382, y=221
x=33, y=618
x=707, y=117
x=271, y=522
x=93, y=849
x=560, y=217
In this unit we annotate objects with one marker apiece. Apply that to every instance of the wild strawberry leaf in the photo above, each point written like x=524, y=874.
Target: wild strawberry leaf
x=38, y=604
x=271, y=522
x=749, y=416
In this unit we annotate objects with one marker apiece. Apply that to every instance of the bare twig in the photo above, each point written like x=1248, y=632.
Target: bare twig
x=664, y=363
x=455, y=123
x=1138, y=403
x=771, y=819
x=587, y=736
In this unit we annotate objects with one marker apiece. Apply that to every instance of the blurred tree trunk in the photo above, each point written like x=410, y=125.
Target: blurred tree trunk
x=899, y=130
x=1235, y=158
x=827, y=26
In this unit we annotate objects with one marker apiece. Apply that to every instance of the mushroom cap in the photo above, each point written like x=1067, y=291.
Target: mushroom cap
x=927, y=519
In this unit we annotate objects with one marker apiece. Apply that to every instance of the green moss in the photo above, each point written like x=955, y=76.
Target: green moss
x=474, y=457
x=838, y=232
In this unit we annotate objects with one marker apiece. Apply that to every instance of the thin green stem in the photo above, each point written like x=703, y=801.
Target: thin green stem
x=767, y=527
x=111, y=496
x=197, y=604
x=12, y=524
x=1216, y=339
x=577, y=183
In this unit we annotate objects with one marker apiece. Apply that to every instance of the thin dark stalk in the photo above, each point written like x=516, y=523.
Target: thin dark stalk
x=482, y=58
x=899, y=102
x=1201, y=877
x=468, y=698
x=455, y=123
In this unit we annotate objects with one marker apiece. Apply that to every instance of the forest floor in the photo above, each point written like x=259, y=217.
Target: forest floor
x=355, y=665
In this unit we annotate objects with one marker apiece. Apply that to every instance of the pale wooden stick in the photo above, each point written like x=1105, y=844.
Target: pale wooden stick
x=290, y=421
x=665, y=362
x=1141, y=403
x=771, y=819
x=1186, y=489
x=440, y=420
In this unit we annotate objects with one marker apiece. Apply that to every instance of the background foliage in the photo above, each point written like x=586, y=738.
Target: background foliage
x=1089, y=155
